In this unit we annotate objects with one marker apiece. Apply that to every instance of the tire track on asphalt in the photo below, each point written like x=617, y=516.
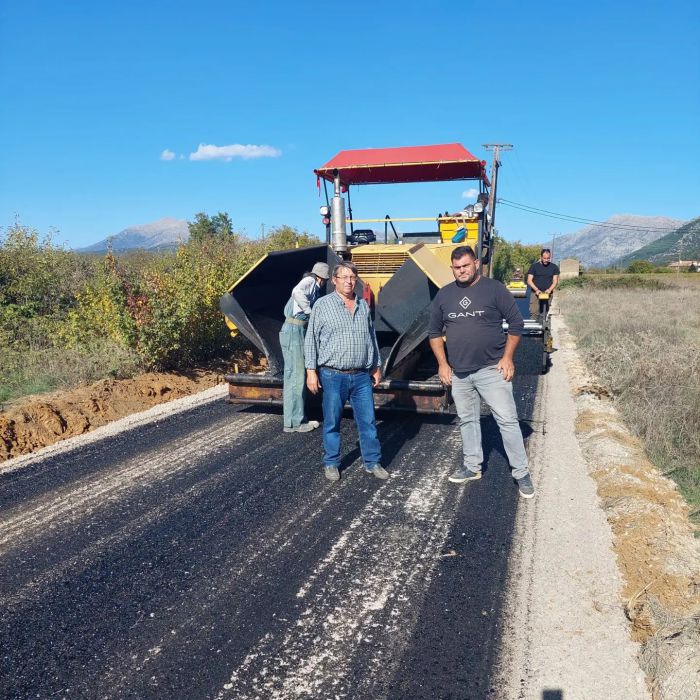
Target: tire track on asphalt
x=363, y=593
x=198, y=492
x=290, y=534
x=67, y=505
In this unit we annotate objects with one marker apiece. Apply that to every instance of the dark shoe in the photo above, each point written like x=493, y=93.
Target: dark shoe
x=302, y=427
x=525, y=487
x=378, y=471
x=462, y=474
x=332, y=473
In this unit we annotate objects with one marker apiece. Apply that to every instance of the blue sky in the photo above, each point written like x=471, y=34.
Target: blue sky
x=601, y=100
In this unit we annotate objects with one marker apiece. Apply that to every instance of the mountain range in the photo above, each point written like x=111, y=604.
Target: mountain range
x=163, y=234
x=681, y=244
x=601, y=245
x=619, y=240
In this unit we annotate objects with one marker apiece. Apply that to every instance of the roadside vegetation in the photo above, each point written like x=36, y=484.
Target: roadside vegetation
x=68, y=318
x=512, y=255
x=640, y=335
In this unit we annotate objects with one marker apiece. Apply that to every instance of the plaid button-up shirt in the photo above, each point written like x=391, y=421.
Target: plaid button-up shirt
x=337, y=338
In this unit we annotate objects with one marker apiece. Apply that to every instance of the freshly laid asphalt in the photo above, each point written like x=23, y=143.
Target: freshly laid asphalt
x=206, y=556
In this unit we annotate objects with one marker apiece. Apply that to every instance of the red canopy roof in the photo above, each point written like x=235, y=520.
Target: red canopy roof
x=370, y=166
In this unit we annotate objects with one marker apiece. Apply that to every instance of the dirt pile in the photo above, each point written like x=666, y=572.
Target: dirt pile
x=655, y=544
x=43, y=420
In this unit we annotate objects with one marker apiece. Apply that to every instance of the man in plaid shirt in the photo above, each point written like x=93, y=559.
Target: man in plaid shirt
x=341, y=355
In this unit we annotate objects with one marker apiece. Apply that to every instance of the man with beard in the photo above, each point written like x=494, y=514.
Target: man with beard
x=479, y=362
x=542, y=278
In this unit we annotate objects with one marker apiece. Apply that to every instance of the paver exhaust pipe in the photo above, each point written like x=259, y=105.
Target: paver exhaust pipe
x=338, y=230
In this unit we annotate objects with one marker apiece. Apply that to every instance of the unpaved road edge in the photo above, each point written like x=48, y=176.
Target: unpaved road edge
x=566, y=629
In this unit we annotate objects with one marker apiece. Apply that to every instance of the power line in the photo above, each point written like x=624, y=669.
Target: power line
x=579, y=219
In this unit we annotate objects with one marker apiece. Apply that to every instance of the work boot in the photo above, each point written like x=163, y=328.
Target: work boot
x=525, y=487
x=462, y=474
x=378, y=471
x=302, y=427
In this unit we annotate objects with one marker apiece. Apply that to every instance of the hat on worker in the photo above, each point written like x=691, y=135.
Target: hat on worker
x=321, y=270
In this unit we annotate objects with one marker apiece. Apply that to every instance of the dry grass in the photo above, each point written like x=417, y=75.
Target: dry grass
x=41, y=368
x=643, y=345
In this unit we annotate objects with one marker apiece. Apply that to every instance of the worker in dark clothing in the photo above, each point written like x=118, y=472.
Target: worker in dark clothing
x=478, y=363
x=542, y=278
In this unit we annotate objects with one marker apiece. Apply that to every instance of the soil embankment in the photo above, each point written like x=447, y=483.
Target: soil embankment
x=39, y=421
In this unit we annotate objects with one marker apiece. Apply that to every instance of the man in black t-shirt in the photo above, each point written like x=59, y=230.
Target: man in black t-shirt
x=478, y=362
x=542, y=278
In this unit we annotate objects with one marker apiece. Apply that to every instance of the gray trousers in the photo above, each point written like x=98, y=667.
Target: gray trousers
x=292, y=343
x=497, y=393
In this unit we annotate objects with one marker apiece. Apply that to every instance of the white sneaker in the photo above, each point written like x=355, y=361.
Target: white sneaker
x=302, y=427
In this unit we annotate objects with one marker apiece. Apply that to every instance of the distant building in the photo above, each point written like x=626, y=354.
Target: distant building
x=569, y=268
x=691, y=265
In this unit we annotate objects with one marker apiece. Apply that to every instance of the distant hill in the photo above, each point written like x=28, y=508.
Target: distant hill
x=600, y=246
x=683, y=243
x=158, y=235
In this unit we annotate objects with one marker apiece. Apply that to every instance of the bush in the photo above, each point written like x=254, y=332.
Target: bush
x=287, y=237
x=37, y=276
x=640, y=267
x=67, y=318
x=39, y=288
x=166, y=309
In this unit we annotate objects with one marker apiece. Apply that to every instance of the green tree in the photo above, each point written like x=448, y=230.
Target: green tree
x=511, y=255
x=640, y=267
x=285, y=237
x=206, y=227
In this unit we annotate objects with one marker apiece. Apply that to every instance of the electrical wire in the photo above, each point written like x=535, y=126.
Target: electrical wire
x=579, y=219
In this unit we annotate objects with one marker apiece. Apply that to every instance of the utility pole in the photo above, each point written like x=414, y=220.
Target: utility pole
x=262, y=231
x=491, y=214
x=495, y=165
x=554, y=238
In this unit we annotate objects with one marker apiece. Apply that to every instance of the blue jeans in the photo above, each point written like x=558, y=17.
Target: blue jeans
x=357, y=389
x=497, y=393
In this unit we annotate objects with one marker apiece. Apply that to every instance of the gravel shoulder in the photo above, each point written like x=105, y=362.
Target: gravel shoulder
x=567, y=629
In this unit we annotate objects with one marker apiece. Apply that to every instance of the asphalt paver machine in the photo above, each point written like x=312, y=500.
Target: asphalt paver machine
x=398, y=277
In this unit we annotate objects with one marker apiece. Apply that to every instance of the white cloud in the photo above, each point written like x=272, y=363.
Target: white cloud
x=167, y=154
x=235, y=150
x=470, y=193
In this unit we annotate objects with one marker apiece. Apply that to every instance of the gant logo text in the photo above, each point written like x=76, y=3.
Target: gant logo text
x=465, y=303
x=466, y=314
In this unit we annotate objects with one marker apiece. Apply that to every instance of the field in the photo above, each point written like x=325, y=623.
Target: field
x=640, y=335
